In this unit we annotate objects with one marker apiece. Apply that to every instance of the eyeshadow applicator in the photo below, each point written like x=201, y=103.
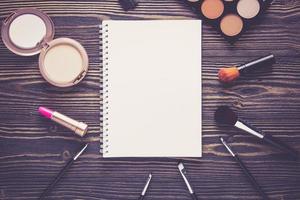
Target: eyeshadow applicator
x=62, y=172
x=245, y=170
x=227, y=75
x=183, y=173
x=224, y=115
x=143, y=194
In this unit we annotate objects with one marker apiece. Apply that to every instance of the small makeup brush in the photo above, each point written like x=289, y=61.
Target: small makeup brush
x=245, y=170
x=61, y=173
x=184, y=175
x=224, y=115
x=229, y=74
x=143, y=194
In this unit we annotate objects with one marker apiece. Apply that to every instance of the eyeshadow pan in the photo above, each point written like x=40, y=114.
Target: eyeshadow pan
x=212, y=9
x=231, y=25
x=248, y=9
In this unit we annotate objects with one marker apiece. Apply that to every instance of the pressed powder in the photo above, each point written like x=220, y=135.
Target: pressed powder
x=248, y=8
x=27, y=30
x=231, y=25
x=212, y=9
x=62, y=63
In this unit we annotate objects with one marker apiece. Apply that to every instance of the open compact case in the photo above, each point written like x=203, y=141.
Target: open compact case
x=230, y=17
x=63, y=62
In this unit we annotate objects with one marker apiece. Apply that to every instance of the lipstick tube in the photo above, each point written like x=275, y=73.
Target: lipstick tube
x=79, y=128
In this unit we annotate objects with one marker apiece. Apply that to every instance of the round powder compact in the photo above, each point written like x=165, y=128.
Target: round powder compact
x=63, y=62
x=248, y=9
x=27, y=30
x=231, y=25
x=212, y=9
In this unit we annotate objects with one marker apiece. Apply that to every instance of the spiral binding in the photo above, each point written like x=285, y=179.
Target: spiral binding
x=104, y=89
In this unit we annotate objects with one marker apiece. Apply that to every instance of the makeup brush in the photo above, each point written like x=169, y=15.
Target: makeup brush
x=143, y=194
x=183, y=173
x=245, y=170
x=229, y=74
x=62, y=172
x=224, y=115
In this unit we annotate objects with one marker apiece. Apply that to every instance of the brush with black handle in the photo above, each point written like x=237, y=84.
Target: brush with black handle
x=225, y=115
x=246, y=171
x=62, y=172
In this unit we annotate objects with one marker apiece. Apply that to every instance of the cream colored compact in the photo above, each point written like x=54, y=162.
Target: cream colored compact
x=63, y=62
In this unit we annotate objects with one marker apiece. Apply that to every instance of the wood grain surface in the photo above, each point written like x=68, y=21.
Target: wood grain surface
x=34, y=149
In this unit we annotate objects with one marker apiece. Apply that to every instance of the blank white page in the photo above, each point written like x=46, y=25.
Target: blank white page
x=153, y=89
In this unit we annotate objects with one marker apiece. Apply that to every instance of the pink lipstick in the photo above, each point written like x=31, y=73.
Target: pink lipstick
x=79, y=128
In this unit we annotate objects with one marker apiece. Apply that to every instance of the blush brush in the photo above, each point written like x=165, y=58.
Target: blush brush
x=224, y=115
x=229, y=74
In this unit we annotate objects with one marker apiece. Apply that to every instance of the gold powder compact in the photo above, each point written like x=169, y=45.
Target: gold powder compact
x=63, y=62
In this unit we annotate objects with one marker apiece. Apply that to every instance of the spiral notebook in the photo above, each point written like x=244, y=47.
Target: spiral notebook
x=151, y=88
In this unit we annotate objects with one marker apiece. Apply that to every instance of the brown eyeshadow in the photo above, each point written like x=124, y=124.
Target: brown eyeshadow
x=212, y=9
x=231, y=25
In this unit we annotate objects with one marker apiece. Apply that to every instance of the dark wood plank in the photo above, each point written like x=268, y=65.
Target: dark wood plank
x=33, y=150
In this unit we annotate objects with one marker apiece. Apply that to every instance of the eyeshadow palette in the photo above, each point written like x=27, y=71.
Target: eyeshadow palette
x=230, y=17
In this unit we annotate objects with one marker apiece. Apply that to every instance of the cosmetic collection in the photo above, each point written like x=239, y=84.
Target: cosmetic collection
x=230, y=17
x=63, y=62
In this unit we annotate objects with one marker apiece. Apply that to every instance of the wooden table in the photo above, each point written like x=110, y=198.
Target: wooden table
x=34, y=149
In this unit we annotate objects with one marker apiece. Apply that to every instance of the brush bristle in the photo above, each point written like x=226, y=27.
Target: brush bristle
x=224, y=115
x=227, y=75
